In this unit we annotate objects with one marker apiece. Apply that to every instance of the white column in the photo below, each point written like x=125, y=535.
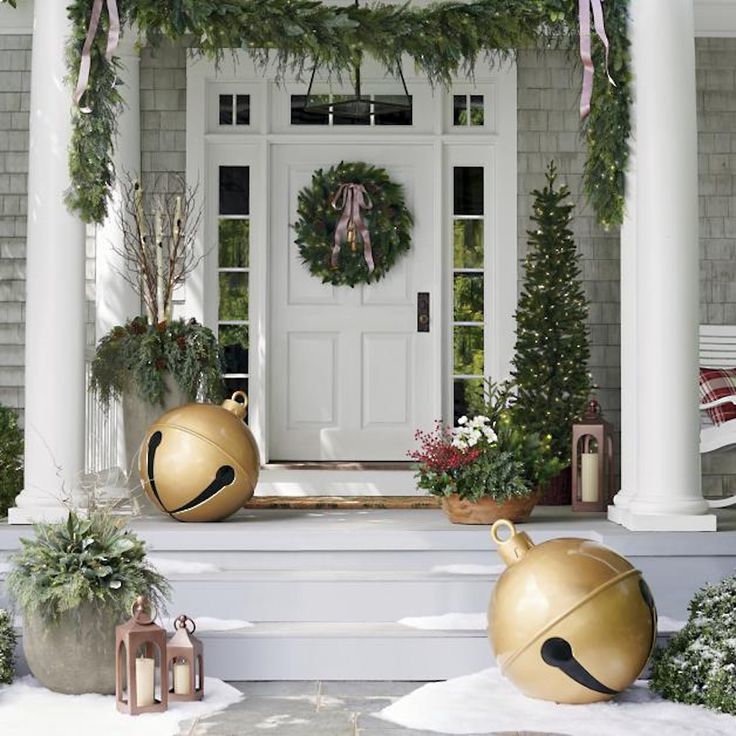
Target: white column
x=55, y=298
x=116, y=300
x=667, y=495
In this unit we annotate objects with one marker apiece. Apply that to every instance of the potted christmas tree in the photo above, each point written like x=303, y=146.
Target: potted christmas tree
x=550, y=366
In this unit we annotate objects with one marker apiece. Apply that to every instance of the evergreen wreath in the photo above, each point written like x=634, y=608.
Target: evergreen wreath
x=387, y=219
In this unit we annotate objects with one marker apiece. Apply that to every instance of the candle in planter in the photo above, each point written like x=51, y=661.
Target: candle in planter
x=144, y=669
x=181, y=677
x=589, y=477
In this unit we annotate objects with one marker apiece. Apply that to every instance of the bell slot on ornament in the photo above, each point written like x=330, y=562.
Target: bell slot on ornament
x=141, y=677
x=185, y=662
x=592, y=460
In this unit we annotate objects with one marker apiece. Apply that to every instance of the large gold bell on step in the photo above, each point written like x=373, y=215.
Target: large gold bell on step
x=200, y=462
x=569, y=620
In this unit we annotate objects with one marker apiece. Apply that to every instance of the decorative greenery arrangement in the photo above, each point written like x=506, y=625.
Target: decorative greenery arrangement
x=442, y=39
x=83, y=560
x=138, y=355
x=388, y=221
x=699, y=663
x=488, y=455
x=550, y=365
x=11, y=459
x=7, y=648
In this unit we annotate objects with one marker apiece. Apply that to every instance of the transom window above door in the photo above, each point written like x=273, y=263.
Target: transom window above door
x=300, y=116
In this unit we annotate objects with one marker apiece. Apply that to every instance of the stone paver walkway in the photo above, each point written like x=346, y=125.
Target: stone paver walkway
x=312, y=709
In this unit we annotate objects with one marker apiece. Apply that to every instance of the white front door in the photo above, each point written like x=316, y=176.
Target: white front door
x=350, y=376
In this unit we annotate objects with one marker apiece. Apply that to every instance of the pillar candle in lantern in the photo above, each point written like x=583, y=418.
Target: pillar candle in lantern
x=181, y=677
x=144, y=668
x=589, y=477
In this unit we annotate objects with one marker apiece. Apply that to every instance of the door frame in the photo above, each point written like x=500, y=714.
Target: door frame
x=206, y=145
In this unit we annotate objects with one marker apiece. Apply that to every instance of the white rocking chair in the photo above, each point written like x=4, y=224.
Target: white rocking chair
x=717, y=350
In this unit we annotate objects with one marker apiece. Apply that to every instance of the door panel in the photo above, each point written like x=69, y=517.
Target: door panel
x=350, y=378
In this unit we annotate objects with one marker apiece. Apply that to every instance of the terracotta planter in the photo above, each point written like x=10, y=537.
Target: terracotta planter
x=75, y=654
x=486, y=510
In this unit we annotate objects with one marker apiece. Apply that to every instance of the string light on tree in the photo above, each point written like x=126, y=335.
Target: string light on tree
x=552, y=349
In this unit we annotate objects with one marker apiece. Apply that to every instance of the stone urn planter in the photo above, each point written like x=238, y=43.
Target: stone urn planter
x=486, y=510
x=75, y=654
x=139, y=415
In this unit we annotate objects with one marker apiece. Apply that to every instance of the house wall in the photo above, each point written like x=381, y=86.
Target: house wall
x=716, y=83
x=548, y=128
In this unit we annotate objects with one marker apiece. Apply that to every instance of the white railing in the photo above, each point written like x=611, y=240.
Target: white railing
x=101, y=431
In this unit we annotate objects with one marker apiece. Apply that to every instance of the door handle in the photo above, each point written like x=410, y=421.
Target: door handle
x=423, y=311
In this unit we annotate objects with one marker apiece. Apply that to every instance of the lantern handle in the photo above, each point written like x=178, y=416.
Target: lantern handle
x=138, y=610
x=182, y=621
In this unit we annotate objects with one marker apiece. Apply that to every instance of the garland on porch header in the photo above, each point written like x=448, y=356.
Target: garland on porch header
x=443, y=39
x=352, y=198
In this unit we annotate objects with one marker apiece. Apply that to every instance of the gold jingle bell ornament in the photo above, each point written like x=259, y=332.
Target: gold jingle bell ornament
x=200, y=462
x=569, y=620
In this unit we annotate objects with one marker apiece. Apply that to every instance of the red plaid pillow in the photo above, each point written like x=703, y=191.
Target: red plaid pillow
x=715, y=383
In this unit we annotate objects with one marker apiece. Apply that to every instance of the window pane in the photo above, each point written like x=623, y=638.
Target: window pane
x=360, y=112
x=233, y=242
x=468, y=351
x=468, y=190
x=468, y=297
x=301, y=117
x=233, y=296
x=395, y=117
x=237, y=384
x=242, y=110
x=477, y=113
x=459, y=110
x=463, y=390
x=234, y=190
x=226, y=109
x=234, y=342
x=468, y=243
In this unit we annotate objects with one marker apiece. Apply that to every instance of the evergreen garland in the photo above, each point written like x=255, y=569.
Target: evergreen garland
x=389, y=223
x=698, y=666
x=550, y=364
x=443, y=39
x=7, y=648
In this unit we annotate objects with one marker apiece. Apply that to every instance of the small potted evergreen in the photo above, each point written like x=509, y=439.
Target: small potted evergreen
x=7, y=648
x=486, y=468
x=74, y=582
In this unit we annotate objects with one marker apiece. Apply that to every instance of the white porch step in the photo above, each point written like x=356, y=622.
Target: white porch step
x=325, y=590
x=352, y=596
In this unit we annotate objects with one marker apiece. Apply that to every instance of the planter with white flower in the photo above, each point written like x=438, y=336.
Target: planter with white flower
x=487, y=467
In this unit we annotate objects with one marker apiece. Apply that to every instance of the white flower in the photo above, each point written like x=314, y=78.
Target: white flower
x=463, y=420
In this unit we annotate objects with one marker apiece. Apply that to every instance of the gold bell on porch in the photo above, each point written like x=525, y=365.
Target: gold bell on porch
x=200, y=462
x=140, y=669
x=569, y=620
x=185, y=658
x=592, y=460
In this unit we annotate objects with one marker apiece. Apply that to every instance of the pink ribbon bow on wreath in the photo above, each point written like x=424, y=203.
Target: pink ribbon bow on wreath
x=113, y=35
x=351, y=199
x=585, y=51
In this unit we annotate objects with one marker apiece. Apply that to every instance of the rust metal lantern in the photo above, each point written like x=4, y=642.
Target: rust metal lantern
x=185, y=662
x=140, y=667
x=592, y=460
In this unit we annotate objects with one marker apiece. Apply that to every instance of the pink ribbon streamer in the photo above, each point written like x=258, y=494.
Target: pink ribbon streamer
x=586, y=56
x=351, y=199
x=113, y=36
